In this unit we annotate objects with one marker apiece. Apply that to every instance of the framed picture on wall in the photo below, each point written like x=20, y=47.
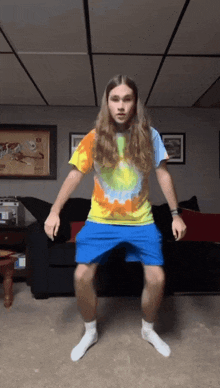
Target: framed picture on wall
x=74, y=140
x=175, y=146
x=28, y=151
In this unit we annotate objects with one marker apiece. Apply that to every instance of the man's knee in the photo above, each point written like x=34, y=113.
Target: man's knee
x=84, y=274
x=154, y=276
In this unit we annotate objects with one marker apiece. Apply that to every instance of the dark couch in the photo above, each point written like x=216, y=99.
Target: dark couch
x=190, y=265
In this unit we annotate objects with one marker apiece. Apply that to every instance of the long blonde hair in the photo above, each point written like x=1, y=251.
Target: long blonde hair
x=139, y=150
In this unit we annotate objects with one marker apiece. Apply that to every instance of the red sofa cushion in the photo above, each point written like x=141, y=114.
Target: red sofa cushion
x=201, y=226
x=75, y=228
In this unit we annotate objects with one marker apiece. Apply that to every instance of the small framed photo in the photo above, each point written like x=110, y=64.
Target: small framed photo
x=74, y=140
x=175, y=146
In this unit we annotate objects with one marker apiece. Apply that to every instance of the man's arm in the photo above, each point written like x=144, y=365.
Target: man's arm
x=52, y=222
x=166, y=183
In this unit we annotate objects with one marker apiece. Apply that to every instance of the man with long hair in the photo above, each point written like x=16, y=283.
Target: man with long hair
x=121, y=149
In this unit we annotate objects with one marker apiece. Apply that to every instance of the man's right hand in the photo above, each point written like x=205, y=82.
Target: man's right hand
x=51, y=225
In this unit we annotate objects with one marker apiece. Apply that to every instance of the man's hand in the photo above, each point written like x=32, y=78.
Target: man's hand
x=51, y=225
x=178, y=227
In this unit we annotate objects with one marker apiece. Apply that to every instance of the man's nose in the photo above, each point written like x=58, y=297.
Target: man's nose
x=121, y=105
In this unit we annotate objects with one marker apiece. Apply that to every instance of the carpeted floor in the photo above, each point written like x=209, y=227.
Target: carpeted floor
x=37, y=337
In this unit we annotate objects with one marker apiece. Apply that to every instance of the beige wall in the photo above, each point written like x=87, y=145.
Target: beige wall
x=199, y=176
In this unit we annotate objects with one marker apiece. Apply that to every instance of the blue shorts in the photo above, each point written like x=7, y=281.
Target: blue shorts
x=95, y=242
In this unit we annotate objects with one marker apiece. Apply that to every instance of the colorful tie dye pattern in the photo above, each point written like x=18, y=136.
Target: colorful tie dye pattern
x=116, y=194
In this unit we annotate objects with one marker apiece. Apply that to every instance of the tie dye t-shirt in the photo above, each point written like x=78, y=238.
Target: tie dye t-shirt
x=116, y=194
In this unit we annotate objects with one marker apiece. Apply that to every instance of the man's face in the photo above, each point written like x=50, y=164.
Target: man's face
x=121, y=103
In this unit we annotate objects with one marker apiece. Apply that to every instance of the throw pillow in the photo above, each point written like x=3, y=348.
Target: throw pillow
x=191, y=204
x=75, y=209
x=37, y=207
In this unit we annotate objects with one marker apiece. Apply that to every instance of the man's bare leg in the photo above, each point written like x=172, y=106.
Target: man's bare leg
x=85, y=292
x=150, y=302
x=87, y=305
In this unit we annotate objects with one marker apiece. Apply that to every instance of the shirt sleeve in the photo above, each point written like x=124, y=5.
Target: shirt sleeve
x=160, y=152
x=82, y=157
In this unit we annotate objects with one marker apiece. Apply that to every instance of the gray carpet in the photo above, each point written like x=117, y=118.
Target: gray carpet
x=37, y=337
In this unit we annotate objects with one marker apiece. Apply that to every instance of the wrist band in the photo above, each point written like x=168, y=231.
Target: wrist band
x=174, y=212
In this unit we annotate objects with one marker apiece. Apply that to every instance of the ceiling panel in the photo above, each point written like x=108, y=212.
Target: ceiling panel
x=199, y=32
x=44, y=26
x=211, y=98
x=16, y=88
x=4, y=46
x=63, y=79
x=141, y=26
x=50, y=38
x=141, y=68
x=183, y=80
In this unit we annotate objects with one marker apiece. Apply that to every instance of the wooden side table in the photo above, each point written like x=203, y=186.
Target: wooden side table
x=13, y=238
x=7, y=260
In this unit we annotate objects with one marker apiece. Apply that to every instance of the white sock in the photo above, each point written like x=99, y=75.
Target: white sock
x=153, y=338
x=90, y=337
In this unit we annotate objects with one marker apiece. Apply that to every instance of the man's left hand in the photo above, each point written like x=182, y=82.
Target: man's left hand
x=178, y=227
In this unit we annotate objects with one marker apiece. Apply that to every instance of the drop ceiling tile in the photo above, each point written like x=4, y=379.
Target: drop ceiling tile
x=183, y=80
x=141, y=68
x=141, y=26
x=199, y=32
x=63, y=79
x=211, y=99
x=16, y=88
x=44, y=26
x=4, y=46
